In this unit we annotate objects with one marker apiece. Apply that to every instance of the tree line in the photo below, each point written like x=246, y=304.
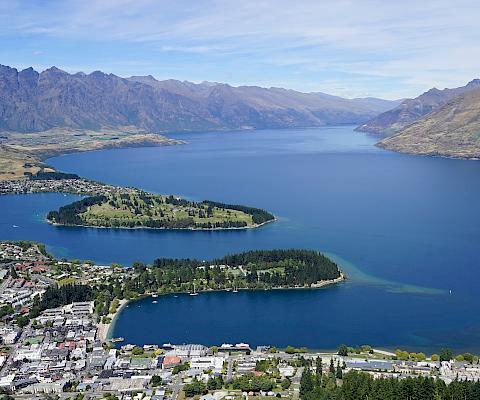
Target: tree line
x=168, y=275
x=59, y=296
x=70, y=214
x=362, y=386
x=51, y=175
x=264, y=269
x=259, y=216
x=189, y=222
x=261, y=269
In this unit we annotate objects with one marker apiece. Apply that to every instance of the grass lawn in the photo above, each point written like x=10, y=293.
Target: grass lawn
x=139, y=210
x=34, y=340
x=66, y=281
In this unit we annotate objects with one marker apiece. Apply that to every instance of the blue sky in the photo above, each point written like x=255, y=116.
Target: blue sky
x=389, y=49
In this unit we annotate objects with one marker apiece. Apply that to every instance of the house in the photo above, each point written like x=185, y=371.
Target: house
x=159, y=394
x=30, y=353
x=286, y=371
x=369, y=365
x=10, y=337
x=142, y=363
x=133, y=384
x=171, y=361
x=47, y=387
x=204, y=363
x=98, y=358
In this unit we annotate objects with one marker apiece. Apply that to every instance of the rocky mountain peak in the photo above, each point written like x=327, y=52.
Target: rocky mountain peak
x=31, y=102
x=411, y=110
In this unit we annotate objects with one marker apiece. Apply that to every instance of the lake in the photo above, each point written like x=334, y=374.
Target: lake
x=405, y=229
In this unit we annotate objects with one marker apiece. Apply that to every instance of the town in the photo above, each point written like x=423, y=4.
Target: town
x=110, y=206
x=56, y=182
x=56, y=344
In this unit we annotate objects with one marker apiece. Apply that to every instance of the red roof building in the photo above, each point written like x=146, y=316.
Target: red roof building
x=171, y=361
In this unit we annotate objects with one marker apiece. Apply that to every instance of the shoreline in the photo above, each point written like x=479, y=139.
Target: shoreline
x=37, y=158
x=105, y=331
x=161, y=229
x=97, y=191
x=382, y=146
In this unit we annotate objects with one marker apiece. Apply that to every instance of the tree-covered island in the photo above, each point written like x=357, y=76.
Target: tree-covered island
x=138, y=209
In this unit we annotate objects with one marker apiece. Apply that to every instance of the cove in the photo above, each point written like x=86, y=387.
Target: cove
x=406, y=227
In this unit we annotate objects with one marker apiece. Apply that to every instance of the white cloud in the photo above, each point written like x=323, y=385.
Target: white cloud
x=416, y=44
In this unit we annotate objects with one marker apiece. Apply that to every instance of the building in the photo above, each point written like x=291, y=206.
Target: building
x=207, y=363
x=171, y=361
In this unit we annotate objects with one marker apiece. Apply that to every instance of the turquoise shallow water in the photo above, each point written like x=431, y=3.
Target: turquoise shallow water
x=405, y=229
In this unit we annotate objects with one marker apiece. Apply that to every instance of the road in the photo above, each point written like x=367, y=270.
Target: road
x=176, y=386
x=229, y=369
x=296, y=383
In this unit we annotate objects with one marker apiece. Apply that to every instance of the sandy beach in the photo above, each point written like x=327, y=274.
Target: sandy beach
x=102, y=331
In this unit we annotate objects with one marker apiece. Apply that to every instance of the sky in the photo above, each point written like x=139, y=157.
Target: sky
x=389, y=49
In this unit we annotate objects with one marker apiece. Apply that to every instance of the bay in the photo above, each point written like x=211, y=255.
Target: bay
x=404, y=228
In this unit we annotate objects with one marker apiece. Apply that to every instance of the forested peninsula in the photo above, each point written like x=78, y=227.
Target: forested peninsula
x=138, y=209
x=257, y=269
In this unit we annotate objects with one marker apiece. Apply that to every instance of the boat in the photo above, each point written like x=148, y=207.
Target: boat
x=116, y=340
x=154, y=302
x=154, y=296
x=15, y=226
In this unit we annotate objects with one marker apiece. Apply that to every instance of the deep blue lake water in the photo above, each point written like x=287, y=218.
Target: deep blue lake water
x=406, y=230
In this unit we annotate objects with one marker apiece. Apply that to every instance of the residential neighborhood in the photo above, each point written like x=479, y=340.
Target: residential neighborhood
x=71, y=185
x=66, y=352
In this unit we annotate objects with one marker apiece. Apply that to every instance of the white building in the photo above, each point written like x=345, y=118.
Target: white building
x=204, y=363
x=31, y=353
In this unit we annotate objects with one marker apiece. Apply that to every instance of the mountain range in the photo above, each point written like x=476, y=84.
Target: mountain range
x=452, y=130
x=411, y=110
x=34, y=102
x=84, y=111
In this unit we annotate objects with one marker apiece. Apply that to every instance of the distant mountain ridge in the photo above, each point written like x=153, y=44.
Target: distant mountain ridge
x=453, y=130
x=33, y=102
x=411, y=110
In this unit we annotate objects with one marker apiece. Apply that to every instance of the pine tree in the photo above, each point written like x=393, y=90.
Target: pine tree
x=306, y=382
x=332, y=367
x=13, y=273
x=339, y=374
x=318, y=371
